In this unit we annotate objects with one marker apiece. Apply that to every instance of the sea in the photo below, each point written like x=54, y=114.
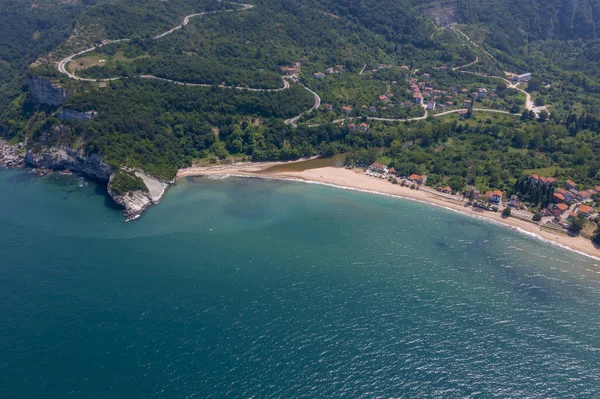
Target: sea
x=252, y=288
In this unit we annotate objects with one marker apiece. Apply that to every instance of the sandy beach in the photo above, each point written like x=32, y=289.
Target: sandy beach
x=357, y=179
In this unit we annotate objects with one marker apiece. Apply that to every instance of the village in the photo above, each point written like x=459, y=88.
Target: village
x=568, y=211
x=409, y=94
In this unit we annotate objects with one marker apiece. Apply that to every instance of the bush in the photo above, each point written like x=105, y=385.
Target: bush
x=125, y=182
x=537, y=217
x=506, y=212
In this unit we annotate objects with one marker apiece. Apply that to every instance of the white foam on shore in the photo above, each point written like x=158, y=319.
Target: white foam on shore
x=398, y=196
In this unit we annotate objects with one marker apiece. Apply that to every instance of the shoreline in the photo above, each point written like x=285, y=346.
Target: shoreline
x=357, y=180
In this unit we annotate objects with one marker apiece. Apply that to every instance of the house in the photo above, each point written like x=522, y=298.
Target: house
x=483, y=92
x=288, y=70
x=328, y=107
x=585, y=210
x=533, y=179
x=566, y=194
x=426, y=76
x=597, y=189
x=329, y=71
x=570, y=184
x=494, y=196
x=446, y=190
x=467, y=103
x=347, y=109
x=514, y=201
x=585, y=195
x=559, y=209
x=364, y=127
x=558, y=198
x=464, y=91
x=421, y=179
x=417, y=98
x=520, y=78
x=404, y=67
x=318, y=75
x=574, y=193
x=339, y=68
x=474, y=95
x=352, y=126
x=549, y=181
x=392, y=171
x=379, y=168
x=473, y=189
x=431, y=105
x=102, y=85
x=442, y=107
x=372, y=109
x=383, y=98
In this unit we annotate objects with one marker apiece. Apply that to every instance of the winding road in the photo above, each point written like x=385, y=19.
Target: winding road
x=62, y=68
x=62, y=65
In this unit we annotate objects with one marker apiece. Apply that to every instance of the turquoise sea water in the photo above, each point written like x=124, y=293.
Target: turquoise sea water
x=254, y=288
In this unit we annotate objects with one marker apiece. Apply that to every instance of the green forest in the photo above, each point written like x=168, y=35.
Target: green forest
x=159, y=126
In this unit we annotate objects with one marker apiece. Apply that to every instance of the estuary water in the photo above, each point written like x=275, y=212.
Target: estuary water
x=256, y=288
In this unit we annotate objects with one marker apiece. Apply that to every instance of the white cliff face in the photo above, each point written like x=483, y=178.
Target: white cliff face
x=134, y=202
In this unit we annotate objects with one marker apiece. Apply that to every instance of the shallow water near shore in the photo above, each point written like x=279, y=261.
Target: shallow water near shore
x=249, y=287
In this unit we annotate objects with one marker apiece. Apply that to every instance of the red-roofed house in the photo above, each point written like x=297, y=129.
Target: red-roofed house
x=352, y=126
x=347, y=109
x=570, y=184
x=446, y=189
x=363, y=127
x=495, y=196
x=421, y=179
x=585, y=210
x=392, y=171
x=377, y=167
x=328, y=107
x=318, y=75
x=558, y=198
x=383, y=98
x=559, y=209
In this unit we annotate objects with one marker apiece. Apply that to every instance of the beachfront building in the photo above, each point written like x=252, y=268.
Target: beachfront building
x=514, y=201
x=379, y=168
x=420, y=179
x=495, y=196
x=559, y=209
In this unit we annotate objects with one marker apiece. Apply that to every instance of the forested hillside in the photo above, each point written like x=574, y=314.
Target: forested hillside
x=364, y=59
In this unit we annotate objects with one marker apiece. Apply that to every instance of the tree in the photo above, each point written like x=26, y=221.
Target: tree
x=506, y=212
x=537, y=217
x=544, y=116
x=576, y=224
x=471, y=195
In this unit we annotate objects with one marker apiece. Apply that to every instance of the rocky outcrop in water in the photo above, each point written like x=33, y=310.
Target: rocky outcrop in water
x=135, y=202
x=43, y=91
x=66, y=158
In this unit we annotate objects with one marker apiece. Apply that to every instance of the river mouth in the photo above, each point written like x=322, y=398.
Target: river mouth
x=335, y=161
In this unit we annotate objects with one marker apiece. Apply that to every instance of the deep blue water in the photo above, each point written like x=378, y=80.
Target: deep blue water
x=253, y=288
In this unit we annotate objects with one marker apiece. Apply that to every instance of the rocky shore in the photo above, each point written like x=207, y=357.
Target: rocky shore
x=12, y=156
x=93, y=166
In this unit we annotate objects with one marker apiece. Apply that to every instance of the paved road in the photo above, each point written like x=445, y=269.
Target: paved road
x=62, y=65
x=317, y=104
